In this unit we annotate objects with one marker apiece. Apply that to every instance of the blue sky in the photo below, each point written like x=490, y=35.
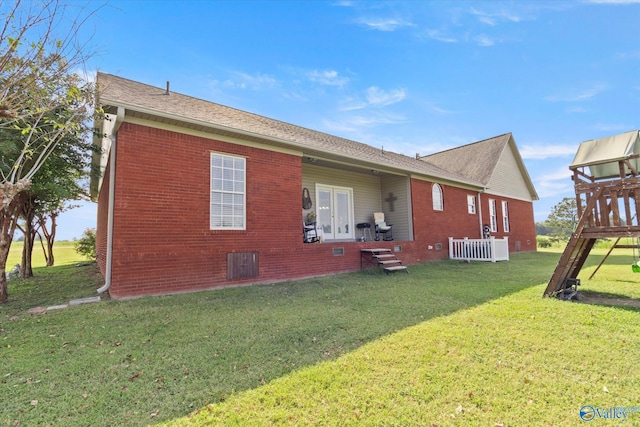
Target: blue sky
x=414, y=77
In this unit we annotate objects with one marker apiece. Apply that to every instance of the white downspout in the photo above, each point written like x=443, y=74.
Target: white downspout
x=112, y=198
x=480, y=216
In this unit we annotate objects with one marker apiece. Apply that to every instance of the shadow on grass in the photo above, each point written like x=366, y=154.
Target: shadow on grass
x=609, y=299
x=616, y=258
x=52, y=286
x=132, y=358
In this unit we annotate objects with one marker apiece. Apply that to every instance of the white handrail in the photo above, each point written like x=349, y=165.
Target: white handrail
x=490, y=249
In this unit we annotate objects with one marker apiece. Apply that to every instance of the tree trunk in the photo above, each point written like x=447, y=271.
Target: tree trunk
x=26, y=269
x=5, y=245
x=28, y=214
x=50, y=236
x=44, y=250
x=8, y=223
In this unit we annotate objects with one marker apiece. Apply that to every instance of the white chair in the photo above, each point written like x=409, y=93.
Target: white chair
x=310, y=233
x=382, y=227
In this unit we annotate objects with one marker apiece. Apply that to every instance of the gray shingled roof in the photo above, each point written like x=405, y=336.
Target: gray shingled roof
x=139, y=98
x=476, y=161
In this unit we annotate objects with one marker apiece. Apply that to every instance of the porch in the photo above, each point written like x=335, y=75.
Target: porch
x=340, y=197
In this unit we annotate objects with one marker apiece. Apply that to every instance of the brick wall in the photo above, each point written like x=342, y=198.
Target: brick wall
x=435, y=227
x=432, y=229
x=163, y=244
x=162, y=241
x=522, y=229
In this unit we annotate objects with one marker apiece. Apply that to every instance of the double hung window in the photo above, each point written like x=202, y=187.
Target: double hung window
x=505, y=217
x=228, y=192
x=493, y=216
x=471, y=204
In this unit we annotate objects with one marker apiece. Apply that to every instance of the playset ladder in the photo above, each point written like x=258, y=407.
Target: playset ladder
x=576, y=252
x=570, y=264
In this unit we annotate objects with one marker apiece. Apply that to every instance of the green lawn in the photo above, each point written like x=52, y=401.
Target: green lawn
x=447, y=344
x=51, y=285
x=64, y=253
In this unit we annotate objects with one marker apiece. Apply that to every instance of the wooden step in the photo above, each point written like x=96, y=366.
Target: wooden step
x=384, y=256
x=390, y=261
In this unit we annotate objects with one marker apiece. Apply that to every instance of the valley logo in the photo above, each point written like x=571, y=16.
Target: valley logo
x=590, y=413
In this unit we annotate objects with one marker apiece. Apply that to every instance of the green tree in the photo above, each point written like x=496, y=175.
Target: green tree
x=543, y=229
x=86, y=245
x=56, y=183
x=563, y=218
x=42, y=100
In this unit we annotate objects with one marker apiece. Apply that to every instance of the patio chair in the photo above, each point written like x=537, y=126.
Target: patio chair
x=382, y=228
x=310, y=233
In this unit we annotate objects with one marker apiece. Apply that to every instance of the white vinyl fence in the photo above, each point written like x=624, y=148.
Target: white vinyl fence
x=490, y=249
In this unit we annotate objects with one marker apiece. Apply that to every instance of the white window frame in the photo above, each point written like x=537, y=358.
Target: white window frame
x=493, y=216
x=438, y=197
x=505, y=216
x=228, y=199
x=471, y=204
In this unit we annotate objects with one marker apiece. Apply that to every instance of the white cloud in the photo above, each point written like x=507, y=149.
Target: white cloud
x=241, y=80
x=373, y=97
x=576, y=109
x=351, y=103
x=384, y=24
x=552, y=189
x=356, y=123
x=555, y=183
x=484, y=40
x=547, y=151
x=295, y=96
x=379, y=98
x=376, y=119
x=577, y=95
x=327, y=77
x=440, y=36
x=492, y=19
x=440, y=110
x=612, y=127
x=562, y=174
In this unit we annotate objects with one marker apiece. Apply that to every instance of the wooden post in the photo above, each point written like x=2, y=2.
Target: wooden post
x=450, y=247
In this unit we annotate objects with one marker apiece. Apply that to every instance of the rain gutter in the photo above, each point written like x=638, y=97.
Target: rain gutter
x=112, y=197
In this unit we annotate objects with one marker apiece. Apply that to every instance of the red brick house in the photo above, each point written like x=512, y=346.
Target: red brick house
x=195, y=195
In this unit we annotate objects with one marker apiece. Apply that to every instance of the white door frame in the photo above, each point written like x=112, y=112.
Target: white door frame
x=338, y=225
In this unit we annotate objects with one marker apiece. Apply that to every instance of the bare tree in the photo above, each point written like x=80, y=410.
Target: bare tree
x=42, y=99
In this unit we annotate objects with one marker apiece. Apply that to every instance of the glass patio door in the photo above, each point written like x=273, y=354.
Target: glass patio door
x=335, y=212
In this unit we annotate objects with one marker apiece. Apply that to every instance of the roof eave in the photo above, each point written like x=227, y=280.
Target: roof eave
x=293, y=144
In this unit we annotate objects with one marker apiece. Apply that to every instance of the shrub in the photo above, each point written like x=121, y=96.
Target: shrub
x=543, y=241
x=86, y=245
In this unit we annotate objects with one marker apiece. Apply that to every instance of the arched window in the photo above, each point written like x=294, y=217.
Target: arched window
x=436, y=195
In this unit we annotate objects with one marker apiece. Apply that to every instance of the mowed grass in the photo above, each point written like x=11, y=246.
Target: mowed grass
x=64, y=253
x=70, y=278
x=447, y=344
